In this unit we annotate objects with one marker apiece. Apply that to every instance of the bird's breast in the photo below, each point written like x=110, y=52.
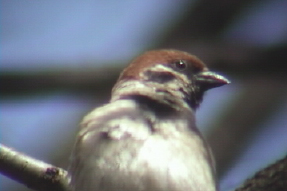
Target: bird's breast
x=176, y=163
x=157, y=164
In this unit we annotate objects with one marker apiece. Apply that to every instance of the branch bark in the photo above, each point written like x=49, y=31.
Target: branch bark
x=33, y=173
x=272, y=178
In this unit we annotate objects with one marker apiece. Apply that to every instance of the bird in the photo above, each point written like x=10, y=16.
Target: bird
x=145, y=138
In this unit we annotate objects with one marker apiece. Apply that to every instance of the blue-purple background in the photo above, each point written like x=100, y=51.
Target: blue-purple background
x=52, y=35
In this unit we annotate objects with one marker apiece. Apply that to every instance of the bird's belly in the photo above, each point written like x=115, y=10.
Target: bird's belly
x=156, y=164
x=177, y=165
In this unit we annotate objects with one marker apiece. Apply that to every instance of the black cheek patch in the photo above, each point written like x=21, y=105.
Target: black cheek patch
x=159, y=77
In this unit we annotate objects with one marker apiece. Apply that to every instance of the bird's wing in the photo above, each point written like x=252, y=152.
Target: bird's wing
x=107, y=143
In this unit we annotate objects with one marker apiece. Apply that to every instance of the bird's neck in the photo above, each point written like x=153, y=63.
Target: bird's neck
x=133, y=89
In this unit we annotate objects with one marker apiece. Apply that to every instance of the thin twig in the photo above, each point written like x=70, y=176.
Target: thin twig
x=33, y=173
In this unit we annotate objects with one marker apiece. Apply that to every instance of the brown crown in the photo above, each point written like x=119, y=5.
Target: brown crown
x=150, y=58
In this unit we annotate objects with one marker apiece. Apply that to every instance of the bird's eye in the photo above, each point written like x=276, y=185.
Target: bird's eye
x=180, y=65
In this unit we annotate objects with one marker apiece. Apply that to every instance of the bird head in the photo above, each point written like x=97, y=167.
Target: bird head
x=169, y=77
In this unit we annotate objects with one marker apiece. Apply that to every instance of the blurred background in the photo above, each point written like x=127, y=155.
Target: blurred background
x=59, y=60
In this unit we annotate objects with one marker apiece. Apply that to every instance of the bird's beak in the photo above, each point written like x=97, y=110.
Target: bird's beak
x=207, y=80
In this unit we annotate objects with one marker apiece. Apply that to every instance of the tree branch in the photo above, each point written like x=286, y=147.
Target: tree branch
x=33, y=173
x=272, y=178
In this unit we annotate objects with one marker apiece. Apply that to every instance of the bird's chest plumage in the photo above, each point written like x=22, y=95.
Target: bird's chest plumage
x=133, y=153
